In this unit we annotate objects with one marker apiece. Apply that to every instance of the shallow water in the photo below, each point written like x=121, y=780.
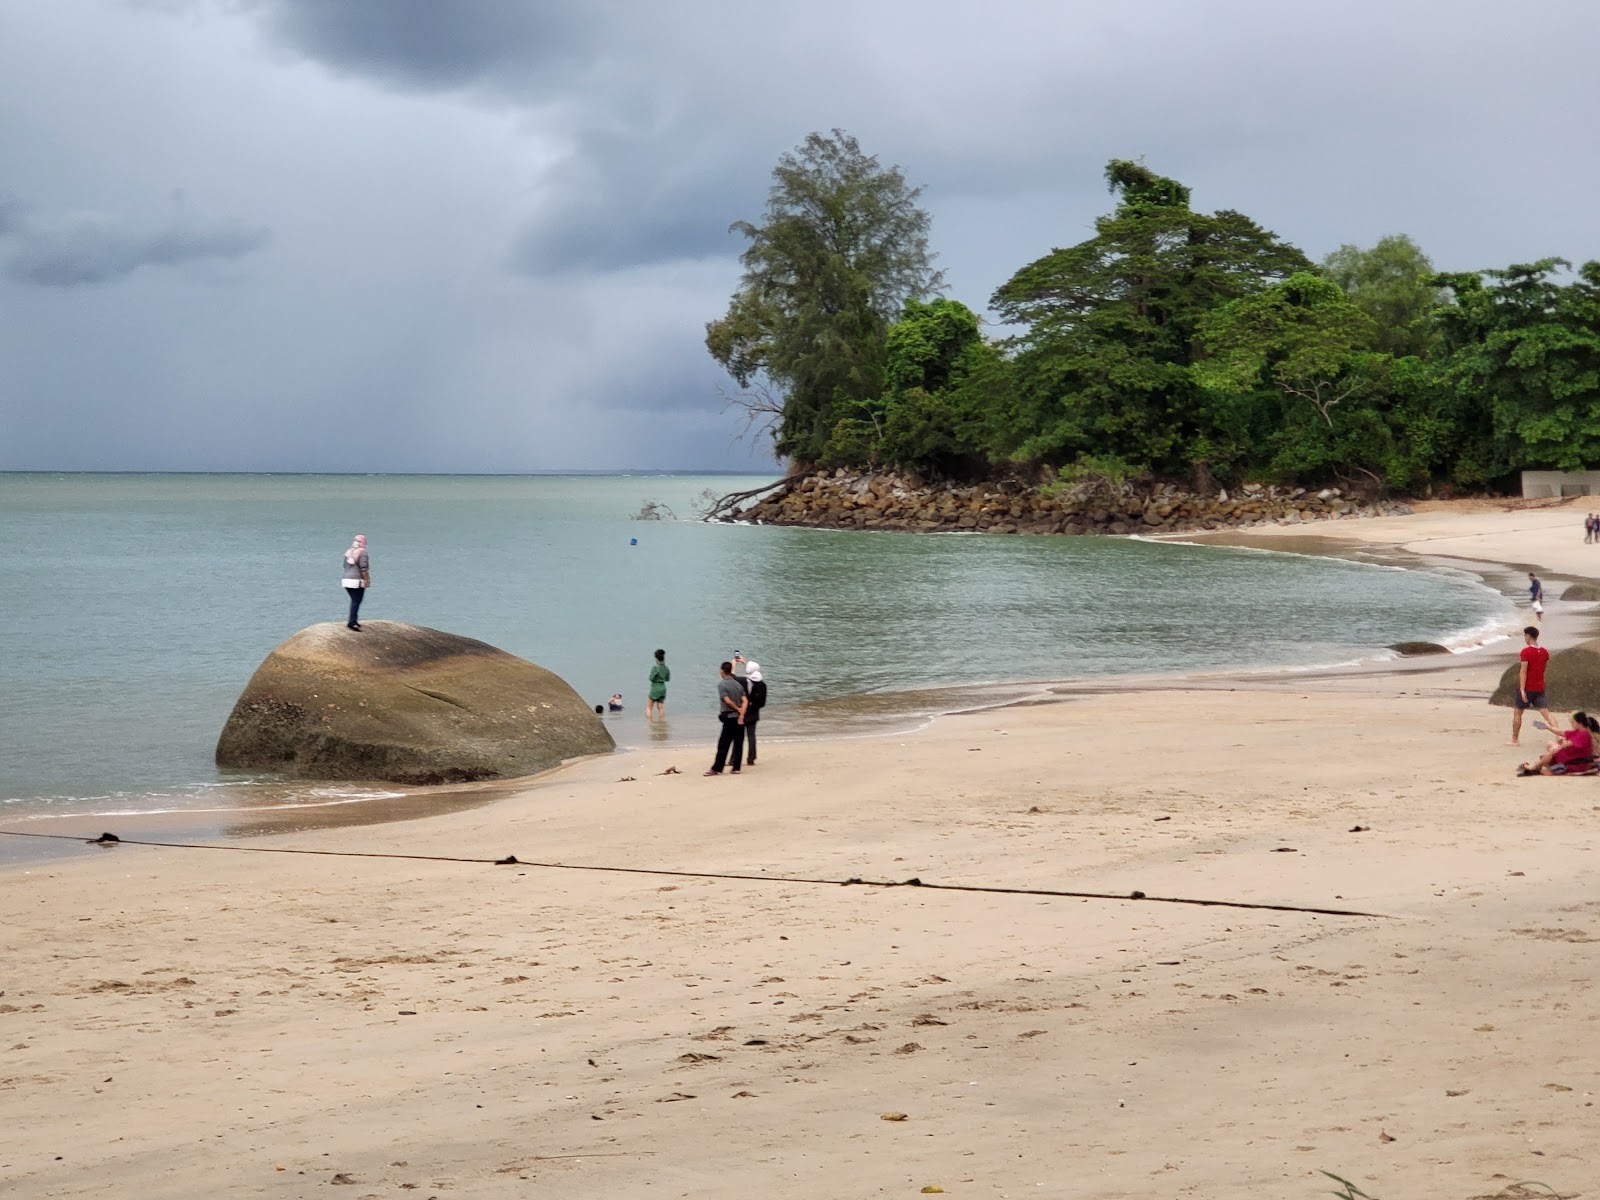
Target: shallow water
x=138, y=605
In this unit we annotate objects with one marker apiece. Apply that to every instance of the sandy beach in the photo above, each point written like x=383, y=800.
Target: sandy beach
x=181, y=1022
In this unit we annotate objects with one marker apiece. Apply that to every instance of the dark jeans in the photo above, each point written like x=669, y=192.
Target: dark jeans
x=731, y=738
x=356, y=595
x=750, y=741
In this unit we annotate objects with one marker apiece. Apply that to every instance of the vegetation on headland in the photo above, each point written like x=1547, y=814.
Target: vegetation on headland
x=1174, y=344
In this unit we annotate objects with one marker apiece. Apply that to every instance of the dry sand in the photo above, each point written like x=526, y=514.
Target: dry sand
x=187, y=1022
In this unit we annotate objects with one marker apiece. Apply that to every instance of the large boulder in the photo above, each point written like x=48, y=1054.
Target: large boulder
x=1582, y=591
x=1572, y=680
x=404, y=704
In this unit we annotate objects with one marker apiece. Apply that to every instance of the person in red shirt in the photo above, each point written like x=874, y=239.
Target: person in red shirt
x=1530, y=682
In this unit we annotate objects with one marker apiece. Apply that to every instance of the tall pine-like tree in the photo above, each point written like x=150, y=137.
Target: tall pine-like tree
x=842, y=246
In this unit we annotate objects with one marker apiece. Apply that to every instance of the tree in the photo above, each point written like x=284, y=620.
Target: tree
x=942, y=379
x=842, y=246
x=1524, y=352
x=1110, y=325
x=1301, y=336
x=1393, y=283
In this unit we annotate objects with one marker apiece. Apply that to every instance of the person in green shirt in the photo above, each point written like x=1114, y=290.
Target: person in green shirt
x=656, y=705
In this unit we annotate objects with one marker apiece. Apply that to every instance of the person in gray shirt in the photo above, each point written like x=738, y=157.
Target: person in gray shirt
x=731, y=705
x=356, y=579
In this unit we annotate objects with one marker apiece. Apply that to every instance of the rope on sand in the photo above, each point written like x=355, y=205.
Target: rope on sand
x=111, y=839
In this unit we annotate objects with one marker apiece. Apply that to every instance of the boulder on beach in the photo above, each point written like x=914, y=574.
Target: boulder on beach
x=1572, y=680
x=1582, y=591
x=404, y=704
x=1415, y=649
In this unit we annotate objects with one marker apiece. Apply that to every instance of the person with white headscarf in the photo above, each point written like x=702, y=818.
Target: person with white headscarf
x=756, y=690
x=356, y=578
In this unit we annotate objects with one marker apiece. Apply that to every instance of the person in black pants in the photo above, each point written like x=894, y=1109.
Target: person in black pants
x=357, y=579
x=731, y=705
x=756, y=689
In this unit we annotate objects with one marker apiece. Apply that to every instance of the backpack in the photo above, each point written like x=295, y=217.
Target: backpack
x=758, y=694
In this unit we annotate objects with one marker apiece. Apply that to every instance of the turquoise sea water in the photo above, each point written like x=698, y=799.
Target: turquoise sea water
x=136, y=607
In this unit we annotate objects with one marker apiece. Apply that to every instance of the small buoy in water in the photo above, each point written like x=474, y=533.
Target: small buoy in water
x=633, y=541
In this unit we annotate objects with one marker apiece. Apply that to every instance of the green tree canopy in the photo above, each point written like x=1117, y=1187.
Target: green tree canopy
x=1524, y=349
x=842, y=246
x=1393, y=283
x=1301, y=336
x=942, y=383
x=1110, y=324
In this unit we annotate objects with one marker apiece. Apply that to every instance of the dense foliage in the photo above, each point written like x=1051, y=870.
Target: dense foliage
x=842, y=248
x=1175, y=343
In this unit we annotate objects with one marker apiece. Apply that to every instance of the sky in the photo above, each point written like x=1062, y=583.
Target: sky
x=486, y=235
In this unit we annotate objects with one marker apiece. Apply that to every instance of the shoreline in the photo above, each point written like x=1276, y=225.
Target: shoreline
x=871, y=715
x=409, y=1016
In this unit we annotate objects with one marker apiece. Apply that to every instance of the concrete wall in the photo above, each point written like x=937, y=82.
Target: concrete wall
x=1541, y=485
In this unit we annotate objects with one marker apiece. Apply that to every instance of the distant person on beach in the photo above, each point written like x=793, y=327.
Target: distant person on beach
x=660, y=676
x=356, y=578
x=756, y=689
x=1538, y=611
x=1535, y=588
x=1588, y=528
x=1572, y=751
x=731, y=705
x=1530, y=683
x=616, y=702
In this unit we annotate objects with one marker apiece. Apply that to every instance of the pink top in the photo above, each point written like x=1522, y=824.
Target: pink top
x=1580, y=744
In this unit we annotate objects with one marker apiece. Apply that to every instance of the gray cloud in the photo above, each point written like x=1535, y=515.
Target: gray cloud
x=671, y=114
x=499, y=226
x=87, y=250
x=430, y=45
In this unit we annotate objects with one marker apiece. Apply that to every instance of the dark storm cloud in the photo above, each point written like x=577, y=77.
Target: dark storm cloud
x=673, y=113
x=94, y=250
x=500, y=226
x=431, y=44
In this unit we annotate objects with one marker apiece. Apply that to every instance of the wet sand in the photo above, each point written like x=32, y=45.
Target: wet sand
x=198, y=1022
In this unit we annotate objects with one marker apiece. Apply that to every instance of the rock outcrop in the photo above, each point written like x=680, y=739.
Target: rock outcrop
x=1572, y=680
x=1417, y=649
x=1582, y=591
x=842, y=500
x=404, y=704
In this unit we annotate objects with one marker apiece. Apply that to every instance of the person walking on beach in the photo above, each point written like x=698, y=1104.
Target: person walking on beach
x=731, y=705
x=356, y=578
x=1588, y=528
x=660, y=675
x=756, y=690
x=1535, y=589
x=1530, y=683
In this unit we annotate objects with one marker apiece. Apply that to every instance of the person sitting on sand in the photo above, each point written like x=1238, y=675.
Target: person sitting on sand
x=1530, y=683
x=1572, y=751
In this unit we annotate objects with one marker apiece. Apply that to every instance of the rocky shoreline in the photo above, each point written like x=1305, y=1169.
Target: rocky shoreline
x=856, y=500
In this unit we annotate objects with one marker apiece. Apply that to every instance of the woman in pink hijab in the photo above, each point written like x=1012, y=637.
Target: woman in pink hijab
x=356, y=579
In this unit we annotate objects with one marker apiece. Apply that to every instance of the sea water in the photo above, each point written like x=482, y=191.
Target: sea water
x=137, y=606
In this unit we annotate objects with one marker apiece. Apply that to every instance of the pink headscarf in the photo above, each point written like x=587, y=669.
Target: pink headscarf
x=357, y=549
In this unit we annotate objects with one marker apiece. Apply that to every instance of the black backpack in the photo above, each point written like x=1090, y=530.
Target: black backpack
x=758, y=693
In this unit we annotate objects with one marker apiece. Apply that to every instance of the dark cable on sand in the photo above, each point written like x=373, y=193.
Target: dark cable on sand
x=111, y=839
